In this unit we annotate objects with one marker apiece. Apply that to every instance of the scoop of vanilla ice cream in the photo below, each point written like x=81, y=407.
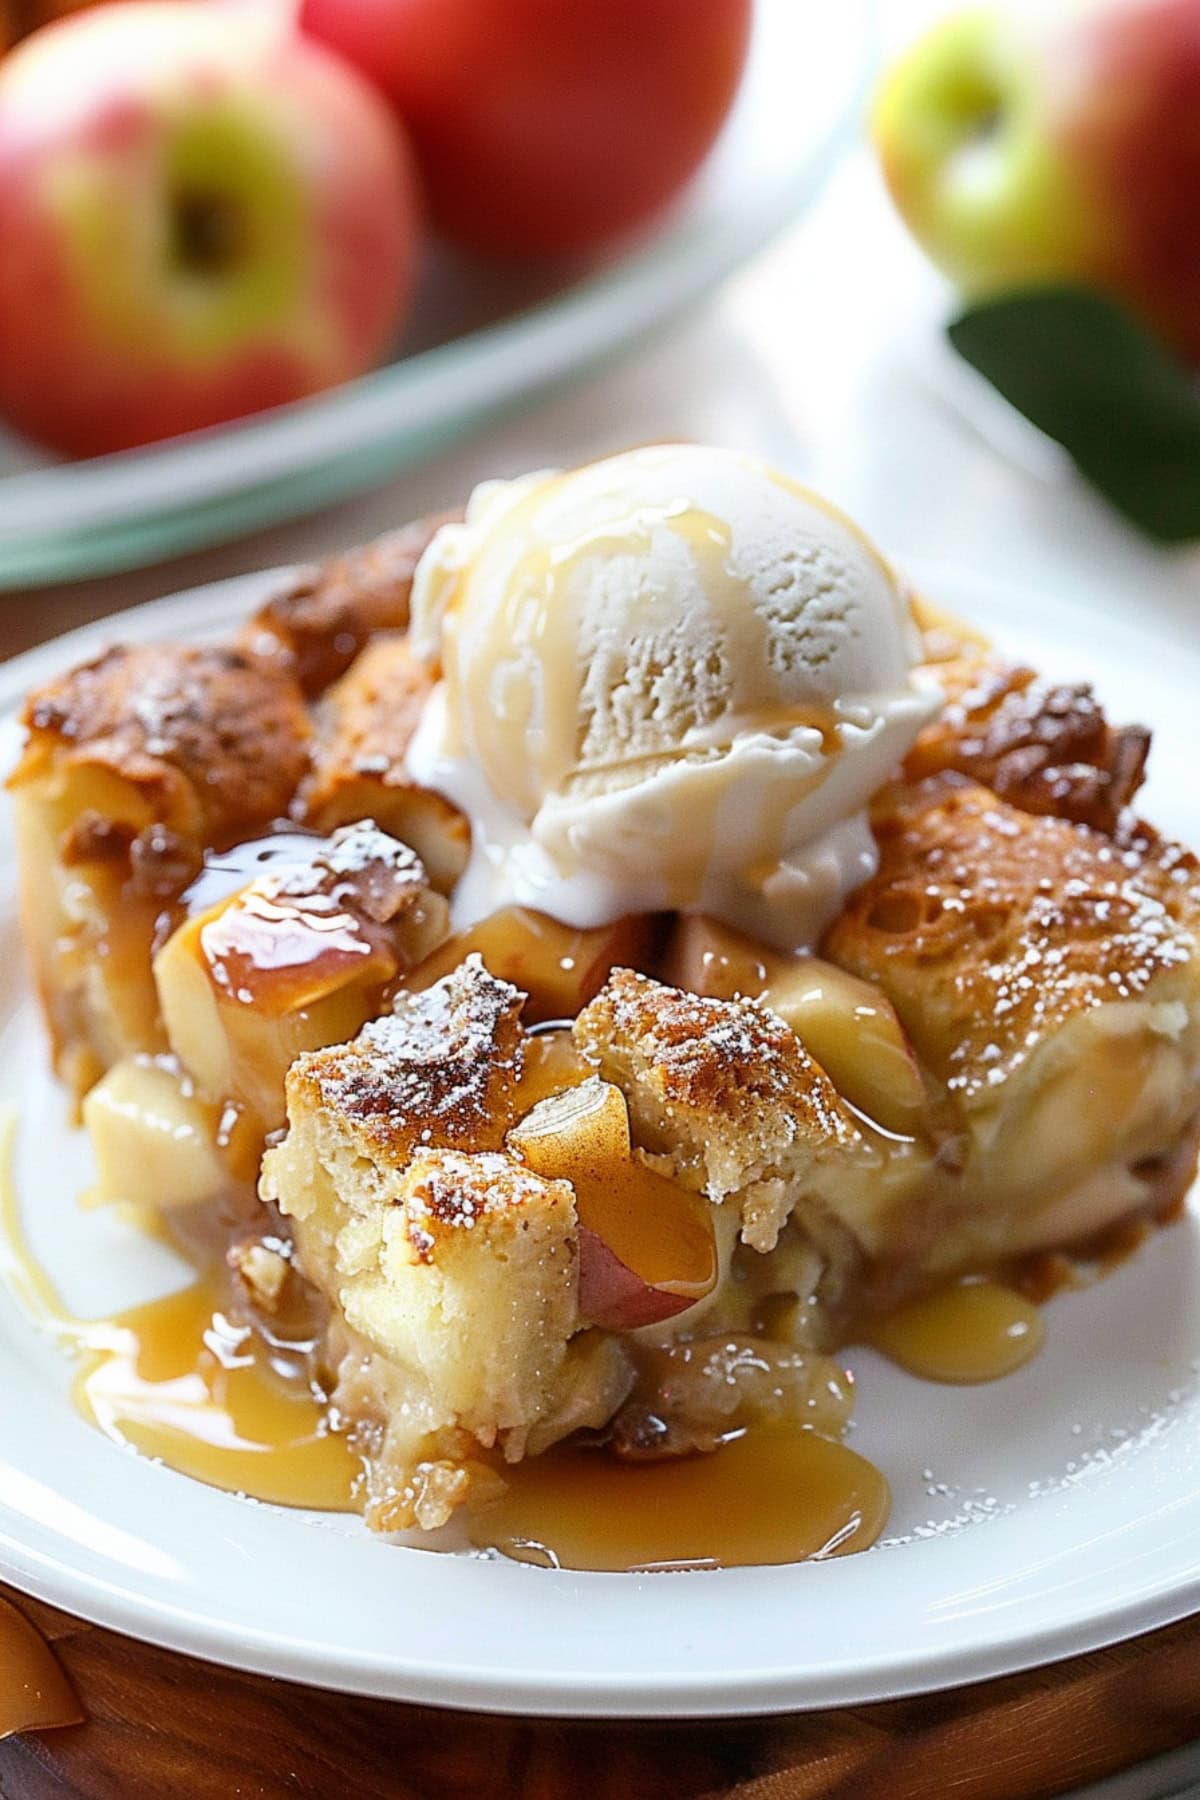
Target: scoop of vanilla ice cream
x=671, y=679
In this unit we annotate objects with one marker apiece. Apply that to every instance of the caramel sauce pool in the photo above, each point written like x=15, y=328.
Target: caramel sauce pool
x=975, y=1330
x=34, y=1692
x=179, y=1381
x=765, y=1497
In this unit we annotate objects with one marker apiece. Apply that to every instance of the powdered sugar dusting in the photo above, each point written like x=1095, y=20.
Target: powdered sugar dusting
x=436, y=1071
x=992, y=928
x=449, y=1191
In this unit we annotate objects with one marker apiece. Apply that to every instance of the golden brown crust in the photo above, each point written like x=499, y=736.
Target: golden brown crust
x=365, y=726
x=990, y=928
x=727, y=1060
x=448, y=1192
x=328, y=611
x=214, y=740
x=725, y=1089
x=1044, y=747
x=437, y=1072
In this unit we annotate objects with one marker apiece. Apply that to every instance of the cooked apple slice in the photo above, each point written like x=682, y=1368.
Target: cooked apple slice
x=296, y=959
x=550, y=1061
x=561, y=969
x=647, y=1249
x=848, y=1026
x=154, y=1142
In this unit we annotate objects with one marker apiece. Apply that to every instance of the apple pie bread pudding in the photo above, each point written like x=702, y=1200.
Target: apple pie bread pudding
x=592, y=957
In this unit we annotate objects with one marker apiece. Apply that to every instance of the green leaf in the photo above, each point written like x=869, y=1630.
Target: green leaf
x=1090, y=376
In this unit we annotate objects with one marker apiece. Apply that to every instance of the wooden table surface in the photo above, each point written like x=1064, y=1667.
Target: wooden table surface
x=158, y=1723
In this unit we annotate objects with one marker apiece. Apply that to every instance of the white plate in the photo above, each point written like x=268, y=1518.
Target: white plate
x=480, y=338
x=1047, y=1514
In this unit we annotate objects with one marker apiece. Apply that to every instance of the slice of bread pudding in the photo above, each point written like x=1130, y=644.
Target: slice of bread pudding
x=486, y=1253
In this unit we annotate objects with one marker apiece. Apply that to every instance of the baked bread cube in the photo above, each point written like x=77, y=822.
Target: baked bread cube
x=726, y=1090
x=135, y=763
x=452, y=1269
x=327, y=612
x=829, y=1212
x=365, y=725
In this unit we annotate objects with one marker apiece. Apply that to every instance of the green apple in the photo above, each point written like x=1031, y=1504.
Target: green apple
x=1056, y=144
x=202, y=214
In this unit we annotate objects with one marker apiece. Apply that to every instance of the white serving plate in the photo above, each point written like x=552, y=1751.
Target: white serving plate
x=480, y=338
x=1046, y=1514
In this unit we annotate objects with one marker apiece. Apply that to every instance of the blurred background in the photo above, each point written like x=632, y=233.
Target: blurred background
x=208, y=208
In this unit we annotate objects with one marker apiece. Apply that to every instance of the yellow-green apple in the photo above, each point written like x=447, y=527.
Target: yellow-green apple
x=1056, y=144
x=202, y=214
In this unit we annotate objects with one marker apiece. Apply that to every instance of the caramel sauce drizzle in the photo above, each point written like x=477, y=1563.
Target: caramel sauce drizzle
x=226, y=872
x=181, y=1382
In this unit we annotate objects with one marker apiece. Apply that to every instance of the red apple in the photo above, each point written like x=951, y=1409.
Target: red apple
x=202, y=214
x=620, y=1298
x=543, y=127
x=1051, y=146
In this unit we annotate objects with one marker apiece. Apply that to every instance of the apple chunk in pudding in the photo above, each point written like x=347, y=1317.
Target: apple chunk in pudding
x=557, y=968
x=298, y=956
